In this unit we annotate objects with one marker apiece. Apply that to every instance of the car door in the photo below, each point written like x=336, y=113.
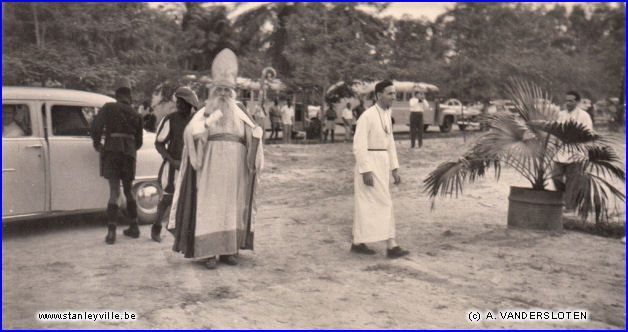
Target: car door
x=75, y=181
x=24, y=159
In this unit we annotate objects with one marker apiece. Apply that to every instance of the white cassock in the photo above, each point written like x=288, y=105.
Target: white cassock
x=374, y=150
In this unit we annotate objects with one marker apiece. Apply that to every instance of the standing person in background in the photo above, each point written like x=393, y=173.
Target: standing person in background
x=418, y=105
x=357, y=111
x=376, y=157
x=287, y=120
x=259, y=115
x=143, y=109
x=347, y=120
x=563, y=169
x=275, y=118
x=150, y=120
x=169, y=143
x=122, y=127
x=330, y=122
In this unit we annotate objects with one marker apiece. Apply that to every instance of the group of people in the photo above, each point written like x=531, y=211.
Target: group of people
x=281, y=117
x=213, y=159
x=349, y=117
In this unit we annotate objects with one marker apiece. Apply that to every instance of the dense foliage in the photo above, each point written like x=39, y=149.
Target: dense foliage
x=469, y=51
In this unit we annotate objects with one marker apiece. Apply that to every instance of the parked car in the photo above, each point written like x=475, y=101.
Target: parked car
x=464, y=116
x=501, y=105
x=50, y=167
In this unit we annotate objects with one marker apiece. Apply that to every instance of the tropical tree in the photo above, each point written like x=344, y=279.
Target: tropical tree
x=529, y=141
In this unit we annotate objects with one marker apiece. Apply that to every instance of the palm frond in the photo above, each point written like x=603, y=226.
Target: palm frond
x=571, y=133
x=531, y=101
x=602, y=161
x=589, y=192
x=448, y=177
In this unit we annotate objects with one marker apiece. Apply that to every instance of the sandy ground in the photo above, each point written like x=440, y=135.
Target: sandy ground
x=302, y=275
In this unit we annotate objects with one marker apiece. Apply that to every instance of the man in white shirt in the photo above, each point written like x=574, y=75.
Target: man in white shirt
x=562, y=162
x=574, y=111
x=376, y=157
x=347, y=119
x=287, y=119
x=418, y=105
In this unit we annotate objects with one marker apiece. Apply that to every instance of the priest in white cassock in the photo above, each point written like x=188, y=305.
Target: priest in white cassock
x=213, y=207
x=376, y=160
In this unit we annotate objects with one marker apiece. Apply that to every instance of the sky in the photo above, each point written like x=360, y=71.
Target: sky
x=428, y=10
x=397, y=9
x=416, y=10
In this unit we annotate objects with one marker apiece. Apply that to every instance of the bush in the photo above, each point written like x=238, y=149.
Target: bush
x=606, y=229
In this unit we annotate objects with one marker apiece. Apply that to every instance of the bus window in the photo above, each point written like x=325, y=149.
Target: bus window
x=255, y=95
x=245, y=94
x=399, y=96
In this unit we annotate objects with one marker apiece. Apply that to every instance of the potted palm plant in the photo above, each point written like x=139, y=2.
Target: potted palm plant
x=529, y=140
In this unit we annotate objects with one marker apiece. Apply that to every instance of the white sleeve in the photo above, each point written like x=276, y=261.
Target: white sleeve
x=360, y=144
x=392, y=153
x=163, y=130
x=586, y=120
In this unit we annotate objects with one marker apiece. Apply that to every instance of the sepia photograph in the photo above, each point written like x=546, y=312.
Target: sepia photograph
x=313, y=165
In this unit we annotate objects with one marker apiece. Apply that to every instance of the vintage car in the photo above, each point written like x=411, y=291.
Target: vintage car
x=49, y=165
x=465, y=115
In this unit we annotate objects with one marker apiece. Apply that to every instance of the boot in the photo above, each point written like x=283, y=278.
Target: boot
x=155, y=232
x=111, y=234
x=112, y=218
x=133, y=230
x=166, y=201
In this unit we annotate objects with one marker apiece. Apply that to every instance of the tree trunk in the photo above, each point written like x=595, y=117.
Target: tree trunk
x=36, y=23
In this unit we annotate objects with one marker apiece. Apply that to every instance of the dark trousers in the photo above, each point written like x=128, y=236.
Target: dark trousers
x=561, y=176
x=166, y=199
x=416, y=128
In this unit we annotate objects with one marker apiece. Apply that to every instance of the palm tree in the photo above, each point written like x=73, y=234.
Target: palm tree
x=529, y=140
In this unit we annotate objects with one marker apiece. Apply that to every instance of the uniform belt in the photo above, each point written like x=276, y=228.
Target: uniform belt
x=227, y=138
x=122, y=135
x=378, y=149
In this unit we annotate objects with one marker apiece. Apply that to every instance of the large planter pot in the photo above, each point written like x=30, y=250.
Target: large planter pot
x=535, y=209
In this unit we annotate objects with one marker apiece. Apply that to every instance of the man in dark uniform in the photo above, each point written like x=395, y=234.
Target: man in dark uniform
x=169, y=143
x=122, y=127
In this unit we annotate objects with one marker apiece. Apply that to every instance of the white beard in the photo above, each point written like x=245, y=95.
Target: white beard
x=227, y=122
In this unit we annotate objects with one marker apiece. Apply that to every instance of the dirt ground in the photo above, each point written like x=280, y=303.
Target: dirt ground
x=302, y=276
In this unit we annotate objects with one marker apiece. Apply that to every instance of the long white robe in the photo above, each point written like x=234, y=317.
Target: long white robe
x=374, y=219
x=222, y=186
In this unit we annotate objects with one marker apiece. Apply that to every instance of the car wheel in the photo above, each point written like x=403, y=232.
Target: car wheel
x=425, y=128
x=147, y=195
x=446, y=126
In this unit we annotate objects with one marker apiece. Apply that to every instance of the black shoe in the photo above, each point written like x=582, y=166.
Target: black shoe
x=228, y=259
x=362, y=249
x=211, y=263
x=133, y=231
x=111, y=234
x=155, y=231
x=396, y=252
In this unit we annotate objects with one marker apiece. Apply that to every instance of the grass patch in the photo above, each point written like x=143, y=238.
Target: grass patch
x=605, y=229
